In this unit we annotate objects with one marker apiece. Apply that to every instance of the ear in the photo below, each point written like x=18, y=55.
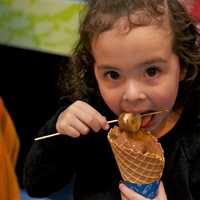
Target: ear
x=183, y=73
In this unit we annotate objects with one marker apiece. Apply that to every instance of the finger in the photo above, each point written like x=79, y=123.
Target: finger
x=92, y=112
x=91, y=117
x=72, y=126
x=75, y=117
x=71, y=132
x=78, y=125
x=65, y=129
x=123, y=197
x=161, y=192
x=130, y=194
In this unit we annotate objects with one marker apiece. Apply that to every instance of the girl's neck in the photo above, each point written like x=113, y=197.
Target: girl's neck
x=169, y=123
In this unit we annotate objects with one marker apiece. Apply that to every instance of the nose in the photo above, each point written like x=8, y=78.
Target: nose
x=134, y=91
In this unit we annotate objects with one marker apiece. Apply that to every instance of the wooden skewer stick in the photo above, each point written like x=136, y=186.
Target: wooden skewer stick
x=46, y=136
x=109, y=122
x=56, y=134
x=154, y=113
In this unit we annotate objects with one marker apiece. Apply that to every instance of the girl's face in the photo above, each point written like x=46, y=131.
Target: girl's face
x=137, y=71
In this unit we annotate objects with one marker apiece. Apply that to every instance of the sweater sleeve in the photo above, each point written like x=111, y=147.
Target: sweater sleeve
x=50, y=163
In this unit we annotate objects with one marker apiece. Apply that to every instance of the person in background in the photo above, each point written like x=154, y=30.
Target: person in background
x=193, y=8
x=195, y=11
x=9, y=149
x=133, y=56
x=188, y=4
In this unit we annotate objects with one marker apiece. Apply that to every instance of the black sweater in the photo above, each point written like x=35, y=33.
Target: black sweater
x=52, y=162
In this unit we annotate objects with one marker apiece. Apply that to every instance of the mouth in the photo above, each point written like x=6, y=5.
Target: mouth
x=147, y=121
x=148, y=118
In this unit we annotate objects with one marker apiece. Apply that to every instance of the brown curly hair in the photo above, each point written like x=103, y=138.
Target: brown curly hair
x=78, y=80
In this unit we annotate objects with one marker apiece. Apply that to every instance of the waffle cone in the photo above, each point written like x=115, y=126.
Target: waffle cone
x=140, y=159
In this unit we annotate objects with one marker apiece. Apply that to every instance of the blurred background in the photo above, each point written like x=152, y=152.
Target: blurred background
x=43, y=25
x=36, y=38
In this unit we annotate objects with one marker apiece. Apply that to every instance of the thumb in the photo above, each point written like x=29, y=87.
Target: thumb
x=161, y=192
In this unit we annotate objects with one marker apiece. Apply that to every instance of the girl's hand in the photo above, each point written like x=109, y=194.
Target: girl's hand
x=128, y=194
x=79, y=118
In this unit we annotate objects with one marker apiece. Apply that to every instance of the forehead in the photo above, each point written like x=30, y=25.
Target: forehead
x=122, y=46
x=126, y=24
x=153, y=31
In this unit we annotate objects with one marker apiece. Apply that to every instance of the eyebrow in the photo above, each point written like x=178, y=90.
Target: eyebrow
x=152, y=61
x=106, y=66
x=148, y=62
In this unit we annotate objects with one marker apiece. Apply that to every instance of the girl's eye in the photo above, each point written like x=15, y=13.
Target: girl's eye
x=112, y=75
x=152, y=71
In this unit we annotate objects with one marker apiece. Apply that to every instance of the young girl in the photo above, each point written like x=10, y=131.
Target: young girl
x=133, y=56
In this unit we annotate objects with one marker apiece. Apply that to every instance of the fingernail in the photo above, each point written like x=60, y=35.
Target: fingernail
x=121, y=184
x=106, y=127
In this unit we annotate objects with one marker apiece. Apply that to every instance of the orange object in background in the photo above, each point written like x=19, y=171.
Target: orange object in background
x=9, y=149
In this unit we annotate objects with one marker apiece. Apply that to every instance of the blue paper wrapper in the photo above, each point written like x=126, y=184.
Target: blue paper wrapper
x=147, y=190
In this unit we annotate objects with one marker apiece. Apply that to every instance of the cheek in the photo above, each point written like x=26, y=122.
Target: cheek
x=166, y=96
x=111, y=98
